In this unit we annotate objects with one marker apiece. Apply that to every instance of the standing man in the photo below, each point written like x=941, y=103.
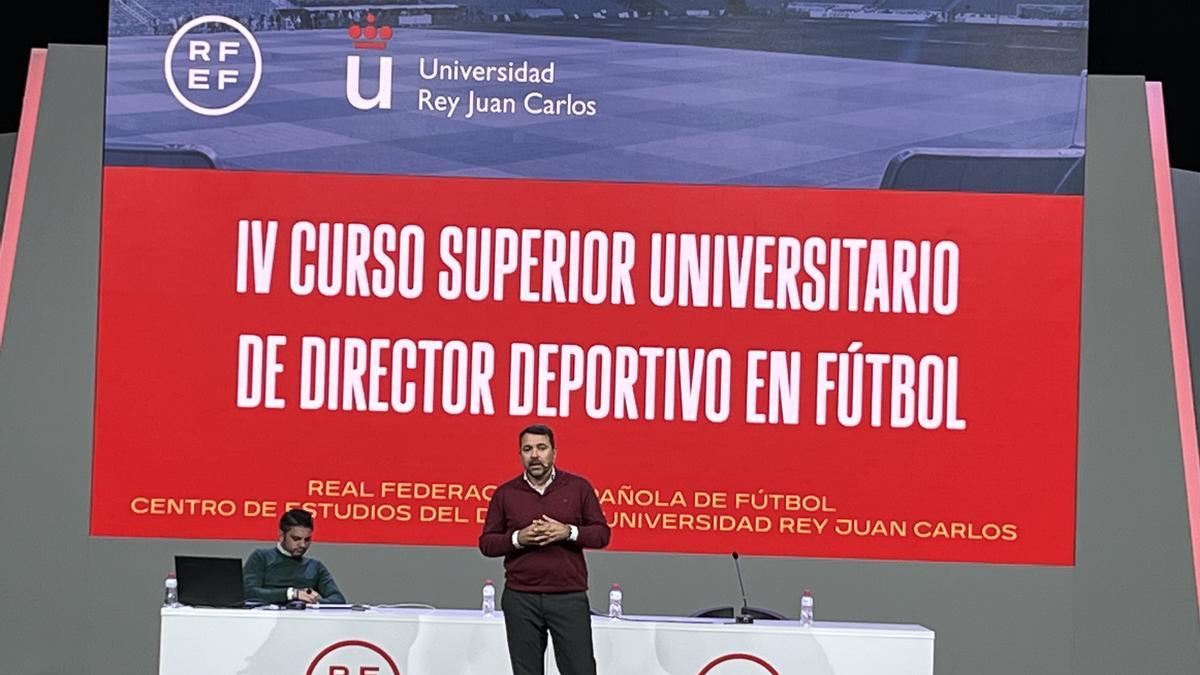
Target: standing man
x=540, y=522
x=282, y=574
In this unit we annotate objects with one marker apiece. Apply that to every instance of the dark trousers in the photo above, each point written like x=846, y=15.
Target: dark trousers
x=568, y=618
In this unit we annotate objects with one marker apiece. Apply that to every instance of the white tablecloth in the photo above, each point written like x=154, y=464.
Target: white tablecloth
x=463, y=642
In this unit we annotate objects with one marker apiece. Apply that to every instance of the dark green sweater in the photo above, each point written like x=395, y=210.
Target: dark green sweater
x=268, y=574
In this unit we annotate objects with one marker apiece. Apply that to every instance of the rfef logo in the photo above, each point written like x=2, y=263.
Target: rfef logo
x=212, y=73
x=372, y=37
x=353, y=657
x=730, y=664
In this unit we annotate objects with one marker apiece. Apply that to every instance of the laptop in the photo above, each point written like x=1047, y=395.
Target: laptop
x=209, y=582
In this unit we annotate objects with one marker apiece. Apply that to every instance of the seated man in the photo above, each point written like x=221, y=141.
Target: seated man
x=281, y=574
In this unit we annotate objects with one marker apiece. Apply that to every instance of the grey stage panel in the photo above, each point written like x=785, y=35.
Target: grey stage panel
x=46, y=366
x=1186, y=186
x=1133, y=546
x=8, y=145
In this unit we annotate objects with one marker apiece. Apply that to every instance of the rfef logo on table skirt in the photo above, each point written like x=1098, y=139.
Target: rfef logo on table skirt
x=353, y=657
x=738, y=664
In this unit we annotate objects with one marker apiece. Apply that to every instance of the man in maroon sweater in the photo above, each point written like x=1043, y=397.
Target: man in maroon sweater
x=540, y=522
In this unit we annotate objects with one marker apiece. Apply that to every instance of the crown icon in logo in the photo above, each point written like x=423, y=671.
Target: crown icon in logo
x=368, y=36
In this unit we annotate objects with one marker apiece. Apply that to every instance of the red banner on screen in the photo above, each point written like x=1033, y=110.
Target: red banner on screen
x=800, y=372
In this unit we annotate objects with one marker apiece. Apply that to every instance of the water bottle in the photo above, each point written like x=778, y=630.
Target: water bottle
x=489, y=598
x=806, y=609
x=171, y=598
x=614, y=602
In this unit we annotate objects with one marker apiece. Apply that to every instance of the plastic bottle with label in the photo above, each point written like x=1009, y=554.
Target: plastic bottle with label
x=614, y=602
x=806, y=609
x=489, y=598
x=171, y=594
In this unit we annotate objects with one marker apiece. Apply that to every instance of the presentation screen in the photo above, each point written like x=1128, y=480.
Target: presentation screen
x=787, y=280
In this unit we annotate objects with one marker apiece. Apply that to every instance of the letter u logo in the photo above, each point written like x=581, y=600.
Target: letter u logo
x=383, y=95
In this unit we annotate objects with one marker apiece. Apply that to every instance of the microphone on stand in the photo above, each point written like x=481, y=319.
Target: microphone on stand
x=743, y=617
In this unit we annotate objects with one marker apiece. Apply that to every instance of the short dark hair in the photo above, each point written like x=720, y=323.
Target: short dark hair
x=537, y=430
x=295, y=518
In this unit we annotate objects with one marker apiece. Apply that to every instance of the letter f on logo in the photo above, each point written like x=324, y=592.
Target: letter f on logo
x=383, y=98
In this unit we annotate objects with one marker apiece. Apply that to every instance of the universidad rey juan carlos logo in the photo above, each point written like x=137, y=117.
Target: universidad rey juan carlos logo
x=369, y=37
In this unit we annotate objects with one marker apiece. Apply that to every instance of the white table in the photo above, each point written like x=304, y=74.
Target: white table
x=463, y=642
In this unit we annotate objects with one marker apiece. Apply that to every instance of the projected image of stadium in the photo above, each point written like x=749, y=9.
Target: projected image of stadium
x=973, y=95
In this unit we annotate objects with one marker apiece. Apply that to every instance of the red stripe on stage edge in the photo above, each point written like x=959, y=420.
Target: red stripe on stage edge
x=20, y=178
x=1185, y=402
